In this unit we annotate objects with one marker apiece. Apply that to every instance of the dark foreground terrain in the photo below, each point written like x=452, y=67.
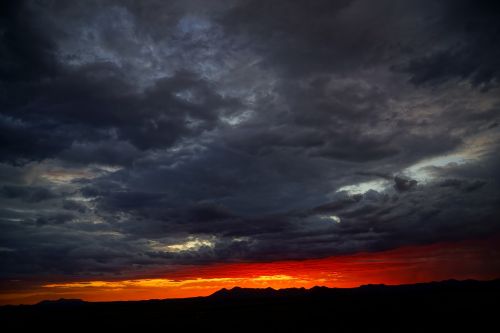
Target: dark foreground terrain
x=448, y=306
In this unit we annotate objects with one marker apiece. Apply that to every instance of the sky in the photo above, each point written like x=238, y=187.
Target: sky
x=162, y=149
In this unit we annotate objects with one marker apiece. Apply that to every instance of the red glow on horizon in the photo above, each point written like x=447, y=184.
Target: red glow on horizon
x=406, y=265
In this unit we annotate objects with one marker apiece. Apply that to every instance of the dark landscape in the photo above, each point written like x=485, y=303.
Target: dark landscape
x=445, y=306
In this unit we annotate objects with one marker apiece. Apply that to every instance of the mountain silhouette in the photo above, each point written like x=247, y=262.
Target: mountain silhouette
x=447, y=306
x=61, y=302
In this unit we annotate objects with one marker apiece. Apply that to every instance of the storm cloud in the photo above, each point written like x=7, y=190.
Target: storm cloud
x=141, y=135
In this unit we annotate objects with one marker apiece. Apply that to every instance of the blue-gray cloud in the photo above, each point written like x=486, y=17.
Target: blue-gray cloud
x=139, y=135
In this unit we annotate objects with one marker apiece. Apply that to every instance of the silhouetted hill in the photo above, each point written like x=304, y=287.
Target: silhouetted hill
x=61, y=302
x=446, y=306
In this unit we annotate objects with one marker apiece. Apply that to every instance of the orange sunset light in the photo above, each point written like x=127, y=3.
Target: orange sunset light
x=461, y=260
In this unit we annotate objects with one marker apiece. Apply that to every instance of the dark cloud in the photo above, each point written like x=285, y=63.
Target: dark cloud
x=73, y=205
x=55, y=219
x=401, y=184
x=307, y=29
x=339, y=204
x=144, y=135
x=53, y=106
x=112, y=152
x=375, y=174
x=27, y=58
x=94, y=105
x=471, y=50
x=27, y=193
x=464, y=184
x=23, y=141
x=208, y=212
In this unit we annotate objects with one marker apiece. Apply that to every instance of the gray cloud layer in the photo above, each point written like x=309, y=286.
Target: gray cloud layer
x=144, y=134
